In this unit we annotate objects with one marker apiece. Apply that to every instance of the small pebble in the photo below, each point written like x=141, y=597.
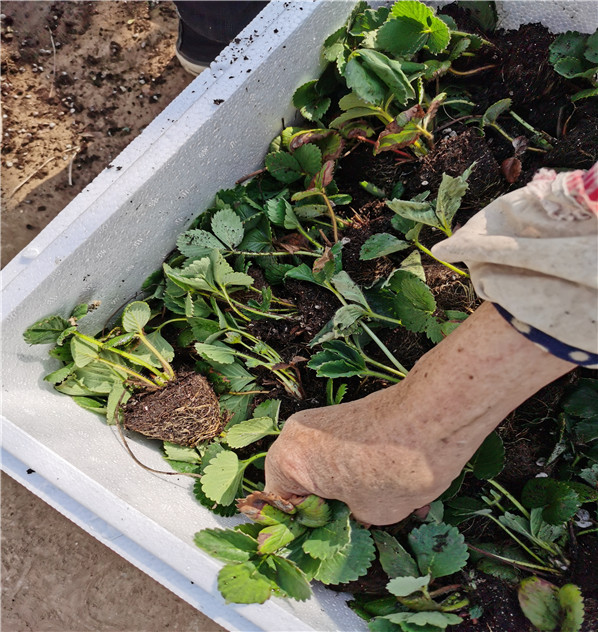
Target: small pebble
x=9, y=164
x=51, y=125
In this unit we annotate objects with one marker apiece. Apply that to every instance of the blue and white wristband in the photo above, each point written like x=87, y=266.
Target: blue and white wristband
x=550, y=344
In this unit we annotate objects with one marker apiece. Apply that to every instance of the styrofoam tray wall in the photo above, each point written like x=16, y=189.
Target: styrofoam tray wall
x=104, y=244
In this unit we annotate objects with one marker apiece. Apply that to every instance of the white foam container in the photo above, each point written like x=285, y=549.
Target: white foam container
x=104, y=244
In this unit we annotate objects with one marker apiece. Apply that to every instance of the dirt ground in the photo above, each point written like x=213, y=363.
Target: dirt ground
x=79, y=81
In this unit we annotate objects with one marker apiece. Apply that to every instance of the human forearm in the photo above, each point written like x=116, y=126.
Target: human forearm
x=399, y=448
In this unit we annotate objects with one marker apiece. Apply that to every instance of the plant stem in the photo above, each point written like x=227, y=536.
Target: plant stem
x=303, y=232
x=474, y=71
x=384, y=350
x=506, y=560
x=444, y=263
x=505, y=493
x=230, y=302
x=124, y=354
x=380, y=365
x=512, y=535
x=165, y=365
x=332, y=216
x=305, y=253
x=168, y=322
x=253, y=458
x=592, y=530
x=538, y=135
x=499, y=129
x=383, y=376
x=137, y=376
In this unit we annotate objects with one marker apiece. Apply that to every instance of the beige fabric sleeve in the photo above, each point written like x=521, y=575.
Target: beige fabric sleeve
x=535, y=253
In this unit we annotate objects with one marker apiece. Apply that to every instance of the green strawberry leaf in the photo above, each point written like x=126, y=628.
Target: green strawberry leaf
x=226, y=545
x=244, y=583
x=439, y=549
x=135, y=316
x=45, y=331
x=249, y=431
x=350, y=562
x=402, y=36
x=197, y=243
x=291, y=579
x=489, y=459
x=381, y=245
x=309, y=158
x=309, y=101
x=216, y=352
x=495, y=110
x=228, y=227
x=364, y=82
x=558, y=500
x=326, y=541
x=395, y=560
x=222, y=478
x=284, y=167
x=404, y=586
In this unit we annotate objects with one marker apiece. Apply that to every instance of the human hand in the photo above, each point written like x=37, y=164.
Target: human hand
x=400, y=448
x=371, y=454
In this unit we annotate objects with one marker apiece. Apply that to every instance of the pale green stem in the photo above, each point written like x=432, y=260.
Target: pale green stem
x=512, y=535
x=499, y=129
x=137, y=376
x=516, y=562
x=593, y=530
x=165, y=365
x=305, y=253
x=230, y=302
x=253, y=458
x=380, y=365
x=123, y=354
x=508, y=495
x=384, y=376
x=332, y=216
x=168, y=322
x=444, y=263
x=542, y=141
x=302, y=231
x=383, y=348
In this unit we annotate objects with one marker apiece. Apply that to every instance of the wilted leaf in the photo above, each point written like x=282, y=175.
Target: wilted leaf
x=540, y=604
x=511, y=169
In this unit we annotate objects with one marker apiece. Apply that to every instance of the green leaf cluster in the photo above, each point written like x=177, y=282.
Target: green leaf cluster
x=575, y=56
x=282, y=552
x=437, y=550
